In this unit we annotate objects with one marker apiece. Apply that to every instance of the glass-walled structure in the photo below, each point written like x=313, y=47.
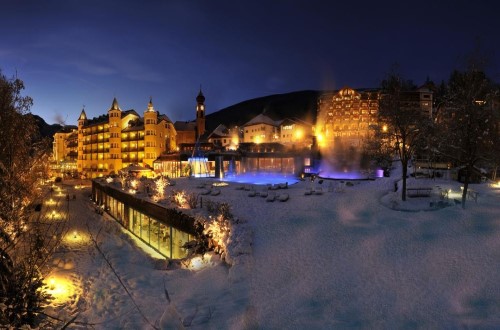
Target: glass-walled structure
x=271, y=158
x=164, y=238
x=285, y=165
x=153, y=224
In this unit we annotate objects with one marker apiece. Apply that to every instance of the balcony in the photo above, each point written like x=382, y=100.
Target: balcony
x=96, y=141
x=137, y=137
x=132, y=149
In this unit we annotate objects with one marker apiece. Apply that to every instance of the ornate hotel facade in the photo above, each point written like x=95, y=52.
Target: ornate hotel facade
x=110, y=142
x=347, y=115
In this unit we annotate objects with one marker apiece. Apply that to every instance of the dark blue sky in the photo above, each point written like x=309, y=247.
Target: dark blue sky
x=72, y=53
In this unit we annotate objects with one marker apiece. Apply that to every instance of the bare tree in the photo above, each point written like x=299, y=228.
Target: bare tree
x=469, y=121
x=402, y=123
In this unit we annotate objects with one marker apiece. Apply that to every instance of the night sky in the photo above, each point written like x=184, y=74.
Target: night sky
x=72, y=53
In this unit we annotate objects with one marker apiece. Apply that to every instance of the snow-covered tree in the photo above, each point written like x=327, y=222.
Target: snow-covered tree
x=22, y=152
x=468, y=121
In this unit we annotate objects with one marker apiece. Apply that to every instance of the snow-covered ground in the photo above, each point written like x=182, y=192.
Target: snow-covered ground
x=354, y=257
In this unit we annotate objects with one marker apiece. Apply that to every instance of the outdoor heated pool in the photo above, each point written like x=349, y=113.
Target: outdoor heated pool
x=261, y=178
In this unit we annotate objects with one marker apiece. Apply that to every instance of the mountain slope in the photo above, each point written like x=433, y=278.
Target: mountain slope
x=46, y=130
x=301, y=104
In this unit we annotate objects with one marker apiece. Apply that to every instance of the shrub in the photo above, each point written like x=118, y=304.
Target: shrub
x=192, y=200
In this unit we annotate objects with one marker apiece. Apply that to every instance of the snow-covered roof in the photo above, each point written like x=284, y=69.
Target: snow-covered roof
x=220, y=131
x=262, y=119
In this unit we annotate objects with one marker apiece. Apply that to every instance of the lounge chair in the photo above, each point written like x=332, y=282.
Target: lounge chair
x=318, y=191
x=264, y=193
x=308, y=191
x=252, y=193
x=215, y=192
x=270, y=198
x=283, y=197
x=283, y=185
x=206, y=192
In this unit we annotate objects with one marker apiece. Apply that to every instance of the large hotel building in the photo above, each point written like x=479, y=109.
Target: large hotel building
x=113, y=141
x=347, y=115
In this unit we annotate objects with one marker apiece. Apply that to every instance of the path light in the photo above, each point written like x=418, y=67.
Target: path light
x=54, y=215
x=75, y=237
x=61, y=289
x=454, y=194
x=201, y=262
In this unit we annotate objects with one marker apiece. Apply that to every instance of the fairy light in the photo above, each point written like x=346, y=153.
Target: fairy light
x=180, y=199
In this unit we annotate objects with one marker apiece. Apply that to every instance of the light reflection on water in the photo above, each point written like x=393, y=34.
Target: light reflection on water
x=351, y=175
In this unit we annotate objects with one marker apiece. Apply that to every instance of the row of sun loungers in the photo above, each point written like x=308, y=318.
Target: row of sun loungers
x=211, y=192
x=204, y=185
x=268, y=187
x=269, y=196
x=314, y=191
x=207, y=189
x=277, y=186
x=339, y=187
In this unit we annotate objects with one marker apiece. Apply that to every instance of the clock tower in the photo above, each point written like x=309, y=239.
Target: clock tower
x=200, y=115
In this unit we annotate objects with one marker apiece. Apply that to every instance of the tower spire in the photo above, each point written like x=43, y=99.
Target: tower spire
x=114, y=105
x=83, y=115
x=150, y=104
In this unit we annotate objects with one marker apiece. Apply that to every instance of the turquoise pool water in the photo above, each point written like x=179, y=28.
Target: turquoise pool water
x=261, y=178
